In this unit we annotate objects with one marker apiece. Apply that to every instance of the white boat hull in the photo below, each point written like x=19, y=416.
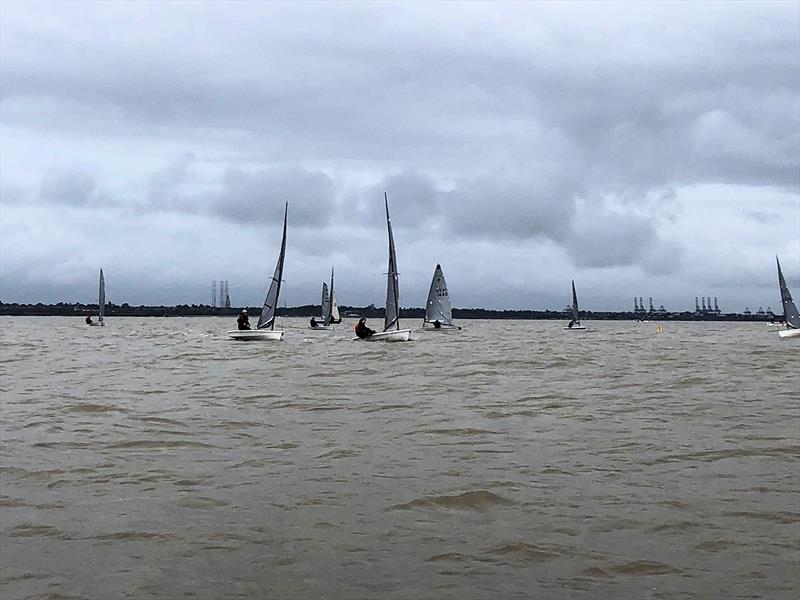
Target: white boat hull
x=443, y=328
x=576, y=328
x=398, y=335
x=789, y=333
x=256, y=335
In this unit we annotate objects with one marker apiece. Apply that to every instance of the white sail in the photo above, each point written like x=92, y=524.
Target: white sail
x=101, y=301
x=327, y=315
x=391, y=319
x=335, y=318
x=267, y=318
x=326, y=301
x=789, y=309
x=438, y=307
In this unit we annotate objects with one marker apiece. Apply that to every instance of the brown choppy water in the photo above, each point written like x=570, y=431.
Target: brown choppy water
x=156, y=458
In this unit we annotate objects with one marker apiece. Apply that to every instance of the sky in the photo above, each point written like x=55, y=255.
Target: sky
x=641, y=149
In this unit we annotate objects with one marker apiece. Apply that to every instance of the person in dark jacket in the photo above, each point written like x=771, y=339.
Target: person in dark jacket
x=362, y=330
x=243, y=321
x=88, y=319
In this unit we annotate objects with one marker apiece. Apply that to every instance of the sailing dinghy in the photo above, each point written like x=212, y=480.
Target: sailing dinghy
x=575, y=323
x=101, y=303
x=438, y=312
x=391, y=320
x=327, y=308
x=265, y=330
x=789, y=309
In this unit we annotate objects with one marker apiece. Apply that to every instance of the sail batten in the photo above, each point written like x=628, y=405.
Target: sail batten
x=391, y=319
x=267, y=318
x=438, y=306
x=789, y=308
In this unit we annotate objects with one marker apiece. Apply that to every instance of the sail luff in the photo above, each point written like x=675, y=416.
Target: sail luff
x=267, y=318
x=438, y=306
x=789, y=309
x=575, y=313
x=101, y=297
x=391, y=318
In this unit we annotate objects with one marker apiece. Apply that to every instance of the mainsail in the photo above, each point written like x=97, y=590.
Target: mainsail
x=438, y=307
x=789, y=309
x=267, y=318
x=392, y=318
x=326, y=301
x=101, y=301
x=327, y=307
x=575, y=316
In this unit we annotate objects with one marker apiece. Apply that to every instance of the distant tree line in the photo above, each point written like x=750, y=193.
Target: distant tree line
x=310, y=310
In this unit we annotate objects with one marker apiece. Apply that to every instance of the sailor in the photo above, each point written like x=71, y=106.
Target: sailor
x=362, y=330
x=243, y=321
x=571, y=323
x=436, y=324
x=314, y=323
x=88, y=319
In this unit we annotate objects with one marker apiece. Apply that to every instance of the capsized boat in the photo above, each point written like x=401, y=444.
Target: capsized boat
x=438, y=312
x=391, y=320
x=265, y=330
x=789, y=309
x=575, y=323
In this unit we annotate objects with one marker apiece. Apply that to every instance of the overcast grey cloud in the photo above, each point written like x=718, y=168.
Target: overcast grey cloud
x=585, y=140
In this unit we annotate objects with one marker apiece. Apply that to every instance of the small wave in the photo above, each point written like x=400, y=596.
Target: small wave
x=341, y=453
x=155, y=444
x=451, y=557
x=529, y=552
x=713, y=546
x=643, y=567
x=477, y=500
x=134, y=536
x=33, y=530
x=90, y=408
x=783, y=517
x=456, y=432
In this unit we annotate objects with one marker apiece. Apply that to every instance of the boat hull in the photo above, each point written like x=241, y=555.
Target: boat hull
x=321, y=328
x=256, y=335
x=576, y=328
x=442, y=329
x=398, y=335
x=789, y=333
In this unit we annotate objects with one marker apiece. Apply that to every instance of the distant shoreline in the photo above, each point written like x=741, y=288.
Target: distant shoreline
x=202, y=310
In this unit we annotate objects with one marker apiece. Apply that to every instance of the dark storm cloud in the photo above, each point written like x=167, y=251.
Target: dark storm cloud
x=259, y=196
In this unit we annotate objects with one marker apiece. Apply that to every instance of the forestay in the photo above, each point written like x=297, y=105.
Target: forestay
x=789, y=309
x=267, y=318
x=438, y=307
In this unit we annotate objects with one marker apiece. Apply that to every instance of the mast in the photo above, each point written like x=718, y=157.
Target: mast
x=391, y=319
x=328, y=316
